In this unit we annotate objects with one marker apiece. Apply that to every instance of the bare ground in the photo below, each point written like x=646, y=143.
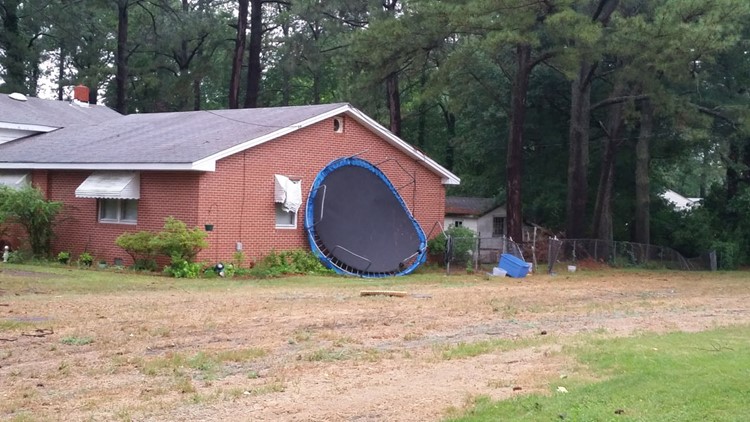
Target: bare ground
x=327, y=354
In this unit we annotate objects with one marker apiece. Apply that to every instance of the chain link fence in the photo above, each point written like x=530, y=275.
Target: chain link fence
x=477, y=253
x=474, y=254
x=624, y=254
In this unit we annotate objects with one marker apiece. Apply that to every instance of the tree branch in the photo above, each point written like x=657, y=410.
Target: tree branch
x=617, y=100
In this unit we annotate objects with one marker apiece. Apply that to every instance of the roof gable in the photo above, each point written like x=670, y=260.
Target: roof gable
x=469, y=205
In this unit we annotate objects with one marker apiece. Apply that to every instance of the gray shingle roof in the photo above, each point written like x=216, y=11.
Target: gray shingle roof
x=468, y=205
x=35, y=111
x=179, y=137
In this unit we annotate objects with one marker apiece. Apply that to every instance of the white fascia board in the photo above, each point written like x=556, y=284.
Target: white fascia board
x=30, y=128
x=448, y=178
x=109, y=166
x=212, y=159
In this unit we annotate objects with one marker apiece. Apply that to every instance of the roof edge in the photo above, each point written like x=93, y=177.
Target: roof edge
x=447, y=177
x=109, y=166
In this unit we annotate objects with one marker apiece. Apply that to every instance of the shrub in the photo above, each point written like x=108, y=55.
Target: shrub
x=85, y=259
x=28, y=208
x=463, y=241
x=295, y=261
x=182, y=268
x=728, y=255
x=63, y=257
x=141, y=246
x=177, y=240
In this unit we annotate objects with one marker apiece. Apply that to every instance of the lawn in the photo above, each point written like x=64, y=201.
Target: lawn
x=625, y=345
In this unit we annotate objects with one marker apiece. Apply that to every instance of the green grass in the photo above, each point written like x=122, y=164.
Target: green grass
x=208, y=364
x=29, y=279
x=76, y=341
x=468, y=350
x=674, y=377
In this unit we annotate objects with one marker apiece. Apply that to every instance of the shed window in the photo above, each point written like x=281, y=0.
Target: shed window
x=458, y=223
x=498, y=226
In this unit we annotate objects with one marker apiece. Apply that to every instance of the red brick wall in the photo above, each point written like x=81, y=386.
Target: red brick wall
x=238, y=198
x=244, y=210
x=162, y=194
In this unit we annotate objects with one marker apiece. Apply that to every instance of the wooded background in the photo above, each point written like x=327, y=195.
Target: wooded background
x=575, y=113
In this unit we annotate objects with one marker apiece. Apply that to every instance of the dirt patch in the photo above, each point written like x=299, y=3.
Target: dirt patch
x=316, y=353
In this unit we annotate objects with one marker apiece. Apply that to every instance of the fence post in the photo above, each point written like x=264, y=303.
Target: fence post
x=712, y=258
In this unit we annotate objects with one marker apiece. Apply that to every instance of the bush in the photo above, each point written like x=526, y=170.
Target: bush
x=182, y=268
x=296, y=261
x=141, y=246
x=85, y=259
x=177, y=240
x=28, y=208
x=463, y=242
x=727, y=254
x=63, y=257
x=19, y=257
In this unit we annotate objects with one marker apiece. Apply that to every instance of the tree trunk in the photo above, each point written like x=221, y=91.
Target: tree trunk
x=578, y=135
x=422, y=110
x=602, y=227
x=394, y=103
x=450, y=126
x=239, y=53
x=254, y=66
x=197, y=95
x=642, y=181
x=121, y=75
x=514, y=161
x=61, y=74
x=578, y=153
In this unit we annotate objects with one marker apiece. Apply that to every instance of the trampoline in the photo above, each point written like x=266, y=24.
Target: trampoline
x=357, y=223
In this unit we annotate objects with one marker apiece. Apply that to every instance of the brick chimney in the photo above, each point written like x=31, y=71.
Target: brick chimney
x=81, y=93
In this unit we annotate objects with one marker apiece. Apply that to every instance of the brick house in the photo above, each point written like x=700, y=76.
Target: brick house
x=118, y=174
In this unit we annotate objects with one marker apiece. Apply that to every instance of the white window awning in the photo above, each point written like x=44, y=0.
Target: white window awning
x=111, y=185
x=15, y=179
x=288, y=193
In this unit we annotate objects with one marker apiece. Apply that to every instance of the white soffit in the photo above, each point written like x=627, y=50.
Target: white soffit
x=111, y=185
x=15, y=179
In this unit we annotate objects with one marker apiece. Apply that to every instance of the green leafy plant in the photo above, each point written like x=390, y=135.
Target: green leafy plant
x=19, y=256
x=85, y=259
x=178, y=240
x=462, y=243
x=63, y=257
x=36, y=215
x=295, y=261
x=142, y=247
x=182, y=268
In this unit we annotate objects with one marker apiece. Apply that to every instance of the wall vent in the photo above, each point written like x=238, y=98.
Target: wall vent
x=338, y=125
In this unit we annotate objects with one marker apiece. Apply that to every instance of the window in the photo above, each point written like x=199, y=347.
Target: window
x=498, y=226
x=458, y=223
x=285, y=219
x=288, y=199
x=123, y=211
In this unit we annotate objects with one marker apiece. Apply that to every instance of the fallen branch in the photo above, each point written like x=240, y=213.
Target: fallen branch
x=8, y=339
x=383, y=293
x=40, y=332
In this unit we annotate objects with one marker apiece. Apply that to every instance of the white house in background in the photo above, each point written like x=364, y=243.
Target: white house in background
x=680, y=203
x=481, y=215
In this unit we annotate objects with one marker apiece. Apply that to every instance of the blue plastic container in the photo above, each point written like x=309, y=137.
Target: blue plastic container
x=515, y=267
